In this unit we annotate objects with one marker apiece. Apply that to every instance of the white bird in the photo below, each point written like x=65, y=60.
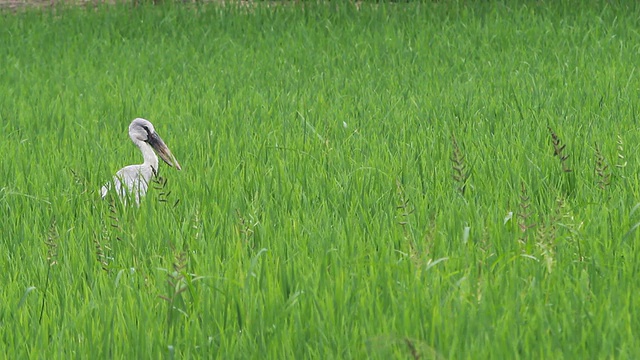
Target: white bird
x=133, y=180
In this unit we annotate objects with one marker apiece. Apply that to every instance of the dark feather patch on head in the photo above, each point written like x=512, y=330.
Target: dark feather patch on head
x=146, y=128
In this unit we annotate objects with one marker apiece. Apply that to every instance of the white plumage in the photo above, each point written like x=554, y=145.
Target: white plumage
x=133, y=180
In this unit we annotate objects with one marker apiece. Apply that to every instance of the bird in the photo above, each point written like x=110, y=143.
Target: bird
x=133, y=180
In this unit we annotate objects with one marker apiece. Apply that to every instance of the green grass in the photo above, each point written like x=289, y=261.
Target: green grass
x=377, y=182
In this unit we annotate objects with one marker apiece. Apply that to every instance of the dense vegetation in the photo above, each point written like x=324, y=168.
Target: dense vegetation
x=393, y=180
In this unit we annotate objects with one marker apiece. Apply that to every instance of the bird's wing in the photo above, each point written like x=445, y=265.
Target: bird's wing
x=132, y=180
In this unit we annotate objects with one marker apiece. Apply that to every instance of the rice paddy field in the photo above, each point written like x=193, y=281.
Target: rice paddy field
x=424, y=180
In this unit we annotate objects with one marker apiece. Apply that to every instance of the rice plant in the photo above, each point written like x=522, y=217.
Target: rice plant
x=347, y=171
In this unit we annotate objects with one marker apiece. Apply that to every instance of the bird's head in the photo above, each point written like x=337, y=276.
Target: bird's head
x=143, y=130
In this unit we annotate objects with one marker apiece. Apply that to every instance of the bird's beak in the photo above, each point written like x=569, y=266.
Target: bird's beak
x=161, y=149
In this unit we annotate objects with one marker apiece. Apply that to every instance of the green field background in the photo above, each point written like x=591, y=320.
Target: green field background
x=432, y=180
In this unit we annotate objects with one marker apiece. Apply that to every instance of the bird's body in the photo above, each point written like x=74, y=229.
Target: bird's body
x=136, y=179
x=133, y=180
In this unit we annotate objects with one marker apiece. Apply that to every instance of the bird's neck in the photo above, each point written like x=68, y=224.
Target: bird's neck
x=150, y=157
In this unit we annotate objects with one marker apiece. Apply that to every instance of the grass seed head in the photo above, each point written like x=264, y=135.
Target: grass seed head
x=524, y=213
x=460, y=171
x=559, y=150
x=602, y=170
x=622, y=162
